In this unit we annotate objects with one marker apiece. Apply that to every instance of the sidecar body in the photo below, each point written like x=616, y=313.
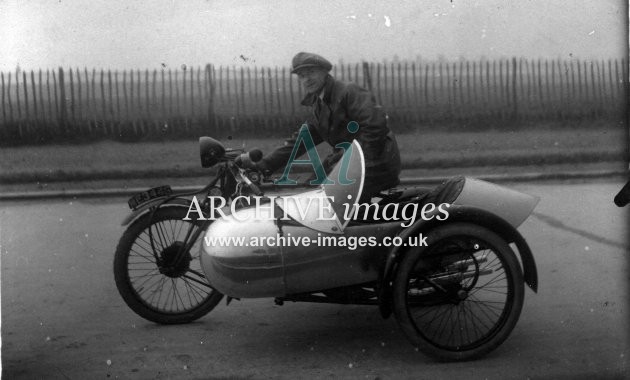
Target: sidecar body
x=286, y=248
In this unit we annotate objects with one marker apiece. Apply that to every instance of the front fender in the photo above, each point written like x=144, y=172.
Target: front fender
x=135, y=214
x=459, y=214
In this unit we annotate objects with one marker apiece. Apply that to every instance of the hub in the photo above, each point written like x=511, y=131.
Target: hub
x=169, y=257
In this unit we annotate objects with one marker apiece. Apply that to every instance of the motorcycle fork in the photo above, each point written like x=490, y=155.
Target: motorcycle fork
x=189, y=240
x=227, y=185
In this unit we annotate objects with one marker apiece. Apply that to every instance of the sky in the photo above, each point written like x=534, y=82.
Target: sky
x=126, y=34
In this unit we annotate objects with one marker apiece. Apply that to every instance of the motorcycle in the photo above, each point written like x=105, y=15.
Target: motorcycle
x=452, y=272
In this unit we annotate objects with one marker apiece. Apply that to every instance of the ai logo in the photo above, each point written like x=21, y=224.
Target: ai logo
x=304, y=137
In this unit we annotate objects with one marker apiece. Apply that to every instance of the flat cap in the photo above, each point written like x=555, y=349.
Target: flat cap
x=303, y=59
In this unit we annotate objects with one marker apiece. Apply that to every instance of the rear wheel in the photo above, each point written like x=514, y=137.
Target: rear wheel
x=153, y=279
x=459, y=297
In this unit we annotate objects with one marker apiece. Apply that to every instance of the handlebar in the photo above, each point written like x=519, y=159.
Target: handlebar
x=248, y=160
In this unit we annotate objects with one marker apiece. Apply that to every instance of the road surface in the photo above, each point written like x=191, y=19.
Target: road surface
x=62, y=316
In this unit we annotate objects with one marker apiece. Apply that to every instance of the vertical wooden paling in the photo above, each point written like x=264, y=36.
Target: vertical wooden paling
x=88, y=103
x=117, y=125
x=504, y=83
x=401, y=98
x=94, y=104
x=40, y=86
x=243, y=107
x=573, y=98
x=4, y=110
x=51, y=110
x=611, y=85
x=19, y=108
x=434, y=101
x=601, y=79
x=521, y=85
x=170, y=97
x=291, y=88
x=426, y=87
x=34, y=117
x=57, y=110
x=416, y=98
x=541, y=100
x=27, y=114
x=441, y=94
x=586, y=87
x=126, y=98
x=490, y=88
x=111, y=102
x=460, y=108
x=514, y=89
x=256, y=95
x=264, y=96
x=147, y=98
x=178, y=113
x=182, y=127
x=379, y=97
x=551, y=88
x=386, y=94
x=561, y=91
x=277, y=89
x=449, y=95
x=80, y=103
x=9, y=102
x=470, y=84
x=63, y=116
x=270, y=78
x=199, y=96
x=251, y=96
x=154, y=102
x=163, y=107
x=17, y=97
x=73, y=119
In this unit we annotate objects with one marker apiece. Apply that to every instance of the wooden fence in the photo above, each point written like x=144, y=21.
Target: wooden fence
x=68, y=103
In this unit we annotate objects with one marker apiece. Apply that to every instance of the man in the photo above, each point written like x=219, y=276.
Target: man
x=338, y=108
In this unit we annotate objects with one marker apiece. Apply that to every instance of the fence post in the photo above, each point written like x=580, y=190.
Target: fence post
x=278, y=90
x=79, y=102
x=211, y=86
x=27, y=115
x=4, y=111
x=514, y=90
x=94, y=106
x=63, y=114
x=72, y=102
x=35, y=113
x=9, y=97
x=379, y=98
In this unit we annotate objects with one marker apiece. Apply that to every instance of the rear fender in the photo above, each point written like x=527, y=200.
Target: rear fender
x=458, y=214
x=175, y=202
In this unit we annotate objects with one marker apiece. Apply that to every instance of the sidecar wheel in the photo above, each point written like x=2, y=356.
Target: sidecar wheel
x=459, y=297
x=178, y=293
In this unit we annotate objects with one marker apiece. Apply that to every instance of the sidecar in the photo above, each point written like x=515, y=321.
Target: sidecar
x=448, y=261
x=288, y=246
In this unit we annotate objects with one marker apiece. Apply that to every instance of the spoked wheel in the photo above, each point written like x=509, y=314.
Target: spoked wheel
x=155, y=278
x=459, y=297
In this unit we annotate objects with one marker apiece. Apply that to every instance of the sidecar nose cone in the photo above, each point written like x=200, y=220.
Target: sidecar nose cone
x=233, y=260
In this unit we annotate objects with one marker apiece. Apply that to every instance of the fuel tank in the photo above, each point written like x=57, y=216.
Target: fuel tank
x=252, y=254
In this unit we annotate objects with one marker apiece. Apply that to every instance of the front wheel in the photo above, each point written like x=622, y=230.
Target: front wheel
x=459, y=297
x=152, y=275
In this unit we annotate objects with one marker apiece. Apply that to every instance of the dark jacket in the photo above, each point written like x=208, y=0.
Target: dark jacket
x=343, y=103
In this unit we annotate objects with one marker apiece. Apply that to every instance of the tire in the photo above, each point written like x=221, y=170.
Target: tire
x=459, y=297
x=180, y=295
